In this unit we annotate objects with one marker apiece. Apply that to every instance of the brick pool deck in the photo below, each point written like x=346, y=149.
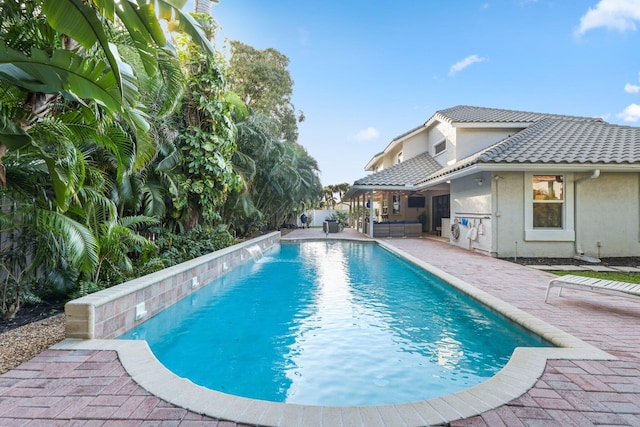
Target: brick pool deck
x=91, y=387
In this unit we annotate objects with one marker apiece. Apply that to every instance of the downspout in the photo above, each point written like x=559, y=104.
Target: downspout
x=495, y=235
x=576, y=215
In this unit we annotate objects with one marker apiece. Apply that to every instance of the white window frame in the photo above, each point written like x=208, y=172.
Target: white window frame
x=436, y=145
x=565, y=234
x=396, y=201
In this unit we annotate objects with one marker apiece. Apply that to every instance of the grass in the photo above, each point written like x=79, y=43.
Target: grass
x=606, y=275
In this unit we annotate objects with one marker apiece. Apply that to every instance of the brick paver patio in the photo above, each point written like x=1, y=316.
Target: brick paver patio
x=87, y=388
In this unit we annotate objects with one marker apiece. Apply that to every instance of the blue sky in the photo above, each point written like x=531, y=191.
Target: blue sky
x=367, y=71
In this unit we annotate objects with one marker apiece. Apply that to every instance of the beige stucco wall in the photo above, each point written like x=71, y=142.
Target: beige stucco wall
x=608, y=212
x=472, y=140
x=415, y=145
x=436, y=134
x=471, y=201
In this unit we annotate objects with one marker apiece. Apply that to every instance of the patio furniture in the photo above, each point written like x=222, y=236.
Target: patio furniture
x=330, y=226
x=395, y=229
x=590, y=284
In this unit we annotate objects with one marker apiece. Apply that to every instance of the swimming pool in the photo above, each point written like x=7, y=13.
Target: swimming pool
x=365, y=328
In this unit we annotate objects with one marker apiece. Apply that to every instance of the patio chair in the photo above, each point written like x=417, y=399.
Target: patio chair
x=590, y=284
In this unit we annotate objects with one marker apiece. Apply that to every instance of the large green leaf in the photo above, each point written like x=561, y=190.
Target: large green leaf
x=149, y=17
x=145, y=31
x=82, y=244
x=79, y=21
x=129, y=88
x=12, y=135
x=64, y=72
x=171, y=10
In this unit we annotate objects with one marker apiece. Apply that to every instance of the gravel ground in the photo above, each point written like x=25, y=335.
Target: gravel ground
x=24, y=342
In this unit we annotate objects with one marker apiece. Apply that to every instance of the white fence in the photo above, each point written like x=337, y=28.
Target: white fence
x=317, y=216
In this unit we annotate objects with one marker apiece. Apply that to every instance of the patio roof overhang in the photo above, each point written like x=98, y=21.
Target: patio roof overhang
x=358, y=190
x=401, y=177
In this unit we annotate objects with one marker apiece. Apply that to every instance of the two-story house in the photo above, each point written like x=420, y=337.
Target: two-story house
x=510, y=183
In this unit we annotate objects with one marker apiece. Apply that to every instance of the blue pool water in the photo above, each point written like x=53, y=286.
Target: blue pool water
x=332, y=323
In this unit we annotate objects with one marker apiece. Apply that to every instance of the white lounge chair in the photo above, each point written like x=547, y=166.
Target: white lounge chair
x=581, y=283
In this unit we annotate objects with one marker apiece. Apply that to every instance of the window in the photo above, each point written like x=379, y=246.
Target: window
x=548, y=207
x=395, y=204
x=440, y=147
x=385, y=207
x=548, y=201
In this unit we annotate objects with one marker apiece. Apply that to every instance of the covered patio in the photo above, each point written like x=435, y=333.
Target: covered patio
x=393, y=203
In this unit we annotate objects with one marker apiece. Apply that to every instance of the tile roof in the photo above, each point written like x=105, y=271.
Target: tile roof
x=562, y=141
x=471, y=114
x=547, y=139
x=559, y=141
x=408, y=172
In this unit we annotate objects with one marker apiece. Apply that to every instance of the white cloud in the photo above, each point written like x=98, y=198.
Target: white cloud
x=367, y=134
x=631, y=113
x=620, y=15
x=461, y=65
x=629, y=88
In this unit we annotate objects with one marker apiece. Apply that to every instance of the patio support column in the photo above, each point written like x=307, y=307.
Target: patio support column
x=371, y=214
x=363, y=216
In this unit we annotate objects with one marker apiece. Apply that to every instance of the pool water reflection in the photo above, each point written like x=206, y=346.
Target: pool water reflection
x=332, y=323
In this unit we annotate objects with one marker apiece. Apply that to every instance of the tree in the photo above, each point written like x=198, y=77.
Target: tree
x=342, y=188
x=207, y=136
x=287, y=180
x=63, y=48
x=72, y=126
x=329, y=195
x=261, y=79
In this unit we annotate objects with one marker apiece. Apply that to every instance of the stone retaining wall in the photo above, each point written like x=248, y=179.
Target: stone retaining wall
x=113, y=311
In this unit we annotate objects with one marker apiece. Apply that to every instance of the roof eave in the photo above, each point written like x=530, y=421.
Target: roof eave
x=521, y=167
x=568, y=167
x=364, y=188
x=372, y=163
x=460, y=173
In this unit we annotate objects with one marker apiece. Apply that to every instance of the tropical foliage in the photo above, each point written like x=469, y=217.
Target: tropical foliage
x=264, y=84
x=124, y=150
x=329, y=193
x=279, y=178
x=207, y=139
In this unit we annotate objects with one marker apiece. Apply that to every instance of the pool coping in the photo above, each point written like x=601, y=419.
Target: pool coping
x=519, y=375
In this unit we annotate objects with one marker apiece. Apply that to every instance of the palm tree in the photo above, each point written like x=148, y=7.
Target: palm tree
x=54, y=48
x=342, y=188
x=287, y=181
x=72, y=125
x=329, y=195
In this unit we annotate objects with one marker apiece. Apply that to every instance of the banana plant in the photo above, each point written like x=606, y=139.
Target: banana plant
x=87, y=66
